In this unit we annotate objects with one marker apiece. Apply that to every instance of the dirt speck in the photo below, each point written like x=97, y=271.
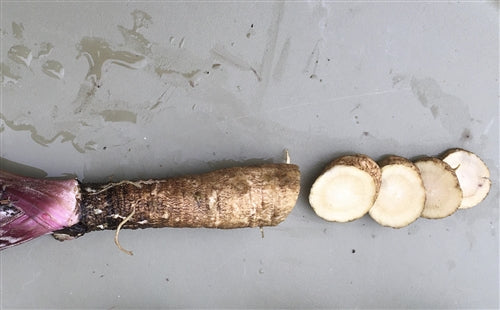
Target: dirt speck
x=466, y=135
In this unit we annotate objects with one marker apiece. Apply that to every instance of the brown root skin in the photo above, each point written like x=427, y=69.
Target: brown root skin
x=238, y=197
x=362, y=162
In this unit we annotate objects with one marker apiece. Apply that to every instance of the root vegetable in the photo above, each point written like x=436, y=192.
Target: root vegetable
x=346, y=189
x=253, y=196
x=401, y=197
x=442, y=189
x=473, y=175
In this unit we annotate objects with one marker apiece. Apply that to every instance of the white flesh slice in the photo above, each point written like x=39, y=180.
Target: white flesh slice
x=442, y=189
x=401, y=197
x=347, y=188
x=473, y=176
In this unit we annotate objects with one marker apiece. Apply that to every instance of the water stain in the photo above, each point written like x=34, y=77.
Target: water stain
x=132, y=37
x=135, y=40
x=89, y=111
x=172, y=61
x=176, y=66
x=84, y=98
x=53, y=69
x=452, y=112
x=434, y=111
x=64, y=134
x=20, y=54
x=141, y=19
x=188, y=75
x=45, y=49
x=99, y=54
x=21, y=169
x=119, y=116
x=7, y=76
x=17, y=30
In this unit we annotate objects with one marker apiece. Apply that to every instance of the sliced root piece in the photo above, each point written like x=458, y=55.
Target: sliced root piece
x=401, y=197
x=473, y=176
x=442, y=189
x=346, y=189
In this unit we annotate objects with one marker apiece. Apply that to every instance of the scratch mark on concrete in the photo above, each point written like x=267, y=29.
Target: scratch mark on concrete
x=313, y=61
x=270, y=49
x=331, y=101
x=281, y=63
x=237, y=61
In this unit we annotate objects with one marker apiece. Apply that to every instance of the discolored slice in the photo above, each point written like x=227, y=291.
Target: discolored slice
x=473, y=175
x=346, y=189
x=401, y=197
x=442, y=189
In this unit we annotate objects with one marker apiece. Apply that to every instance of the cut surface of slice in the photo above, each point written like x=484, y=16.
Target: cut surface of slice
x=473, y=176
x=346, y=189
x=442, y=188
x=401, y=197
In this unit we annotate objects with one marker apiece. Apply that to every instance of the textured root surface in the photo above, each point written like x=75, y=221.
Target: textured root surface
x=228, y=198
